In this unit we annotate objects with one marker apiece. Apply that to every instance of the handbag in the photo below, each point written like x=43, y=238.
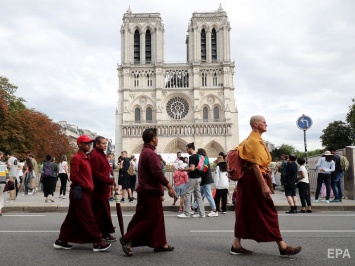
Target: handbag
x=10, y=185
x=77, y=192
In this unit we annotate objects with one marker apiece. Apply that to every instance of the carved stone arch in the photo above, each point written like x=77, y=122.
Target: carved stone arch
x=137, y=149
x=213, y=148
x=214, y=26
x=176, y=145
x=136, y=27
x=149, y=27
x=203, y=26
x=143, y=101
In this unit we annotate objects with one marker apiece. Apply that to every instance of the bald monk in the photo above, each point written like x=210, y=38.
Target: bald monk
x=255, y=214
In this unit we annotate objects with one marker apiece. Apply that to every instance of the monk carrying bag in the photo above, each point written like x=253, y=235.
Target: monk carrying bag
x=234, y=165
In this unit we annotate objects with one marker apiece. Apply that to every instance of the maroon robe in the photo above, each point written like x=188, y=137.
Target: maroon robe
x=79, y=225
x=100, y=168
x=255, y=217
x=147, y=227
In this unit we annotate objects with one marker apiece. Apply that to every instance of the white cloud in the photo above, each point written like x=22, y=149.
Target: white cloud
x=292, y=58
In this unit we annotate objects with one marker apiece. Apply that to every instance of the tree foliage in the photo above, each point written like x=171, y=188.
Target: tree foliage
x=26, y=131
x=337, y=135
x=283, y=149
x=350, y=119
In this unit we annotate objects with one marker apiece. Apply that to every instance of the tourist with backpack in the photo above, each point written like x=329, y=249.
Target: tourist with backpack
x=49, y=178
x=337, y=175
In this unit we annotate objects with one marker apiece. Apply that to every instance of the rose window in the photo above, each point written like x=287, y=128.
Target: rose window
x=177, y=108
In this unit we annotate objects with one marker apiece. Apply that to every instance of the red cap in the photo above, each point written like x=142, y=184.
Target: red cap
x=83, y=138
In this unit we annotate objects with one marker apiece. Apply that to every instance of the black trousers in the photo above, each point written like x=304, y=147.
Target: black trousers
x=320, y=179
x=63, y=183
x=303, y=190
x=221, y=194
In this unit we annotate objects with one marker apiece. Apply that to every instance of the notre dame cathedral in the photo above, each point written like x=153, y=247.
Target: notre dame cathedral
x=186, y=102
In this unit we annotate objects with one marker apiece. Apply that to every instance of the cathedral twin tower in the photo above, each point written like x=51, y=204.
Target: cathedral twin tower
x=186, y=102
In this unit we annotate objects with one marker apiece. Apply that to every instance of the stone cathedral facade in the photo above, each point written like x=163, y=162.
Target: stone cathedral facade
x=186, y=102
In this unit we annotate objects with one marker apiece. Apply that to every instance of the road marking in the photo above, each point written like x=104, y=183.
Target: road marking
x=282, y=231
x=23, y=215
x=29, y=231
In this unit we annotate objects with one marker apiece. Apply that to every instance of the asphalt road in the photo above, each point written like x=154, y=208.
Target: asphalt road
x=328, y=238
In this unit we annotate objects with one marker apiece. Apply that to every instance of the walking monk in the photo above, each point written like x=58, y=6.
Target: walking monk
x=147, y=226
x=255, y=214
x=79, y=225
x=100, y=168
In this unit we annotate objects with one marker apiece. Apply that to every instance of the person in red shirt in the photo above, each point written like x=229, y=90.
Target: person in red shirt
x=100, y=168
x=79, y=225
x=147, y=226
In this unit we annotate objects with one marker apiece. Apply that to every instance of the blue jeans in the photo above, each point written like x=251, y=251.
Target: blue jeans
x=336, y=182
x=206, y=193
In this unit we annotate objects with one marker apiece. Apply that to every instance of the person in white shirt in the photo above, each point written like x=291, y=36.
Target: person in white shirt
x=221, y=183
x=63, y=175
x=303, y=186
x=324, y=167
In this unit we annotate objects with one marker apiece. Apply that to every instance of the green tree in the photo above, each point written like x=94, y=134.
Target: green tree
x=25, y=130
x=283, y=149
x=350, y=119
x=7, y=92
x=337, y=135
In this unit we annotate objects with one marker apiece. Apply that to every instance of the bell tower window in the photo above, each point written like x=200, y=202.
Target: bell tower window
x=148, y=47
x=214, y=45
x=203, y=45
x=137, y=47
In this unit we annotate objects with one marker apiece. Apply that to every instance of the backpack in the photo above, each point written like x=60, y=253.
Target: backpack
x=203, y=162
x=344, y=163
x=234, y=165
x=131, y=169
x=47, y=169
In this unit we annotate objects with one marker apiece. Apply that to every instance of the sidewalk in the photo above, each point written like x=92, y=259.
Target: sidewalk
x=35, y=203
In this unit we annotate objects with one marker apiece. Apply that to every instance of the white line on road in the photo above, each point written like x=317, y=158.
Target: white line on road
x=23, y=215
x=29, y=231
x=282, y=231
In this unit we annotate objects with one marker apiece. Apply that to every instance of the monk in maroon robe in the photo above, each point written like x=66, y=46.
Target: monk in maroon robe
x=147, y=226
x=100, y=168
x=255, y=214
x=79, y=225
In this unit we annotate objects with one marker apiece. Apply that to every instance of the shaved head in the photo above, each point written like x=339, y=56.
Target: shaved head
x=255, y=118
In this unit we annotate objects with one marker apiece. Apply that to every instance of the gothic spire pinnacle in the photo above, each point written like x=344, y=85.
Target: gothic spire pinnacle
x=220, y=9
x=129, y=11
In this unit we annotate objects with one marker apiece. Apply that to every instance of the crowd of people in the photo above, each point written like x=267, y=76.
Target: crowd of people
x=93, y=184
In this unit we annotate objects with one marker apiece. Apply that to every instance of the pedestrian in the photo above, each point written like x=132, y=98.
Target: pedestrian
x=205, y=186
x=111, y=162
x=180, y=180
x=49, y=178
x=303, y=186
x=125, y=177
x=79, y=225
x=133, y=178
x=255, y=213
x=290, y=183
x=36, y=172
x=336, y=177
x=324, y=166
x=221, y=183
x=4, y=174
x=100, y=169
x=12, y=162
x=28, y=176
x=147, y=226
x=284, y=159
x=193, y=185
x=63, y=174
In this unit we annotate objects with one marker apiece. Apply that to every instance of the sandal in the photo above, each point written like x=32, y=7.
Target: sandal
x=167, y=248
x=125, y=247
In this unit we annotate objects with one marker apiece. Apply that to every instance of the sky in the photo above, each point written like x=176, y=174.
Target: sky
x=292, y=57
